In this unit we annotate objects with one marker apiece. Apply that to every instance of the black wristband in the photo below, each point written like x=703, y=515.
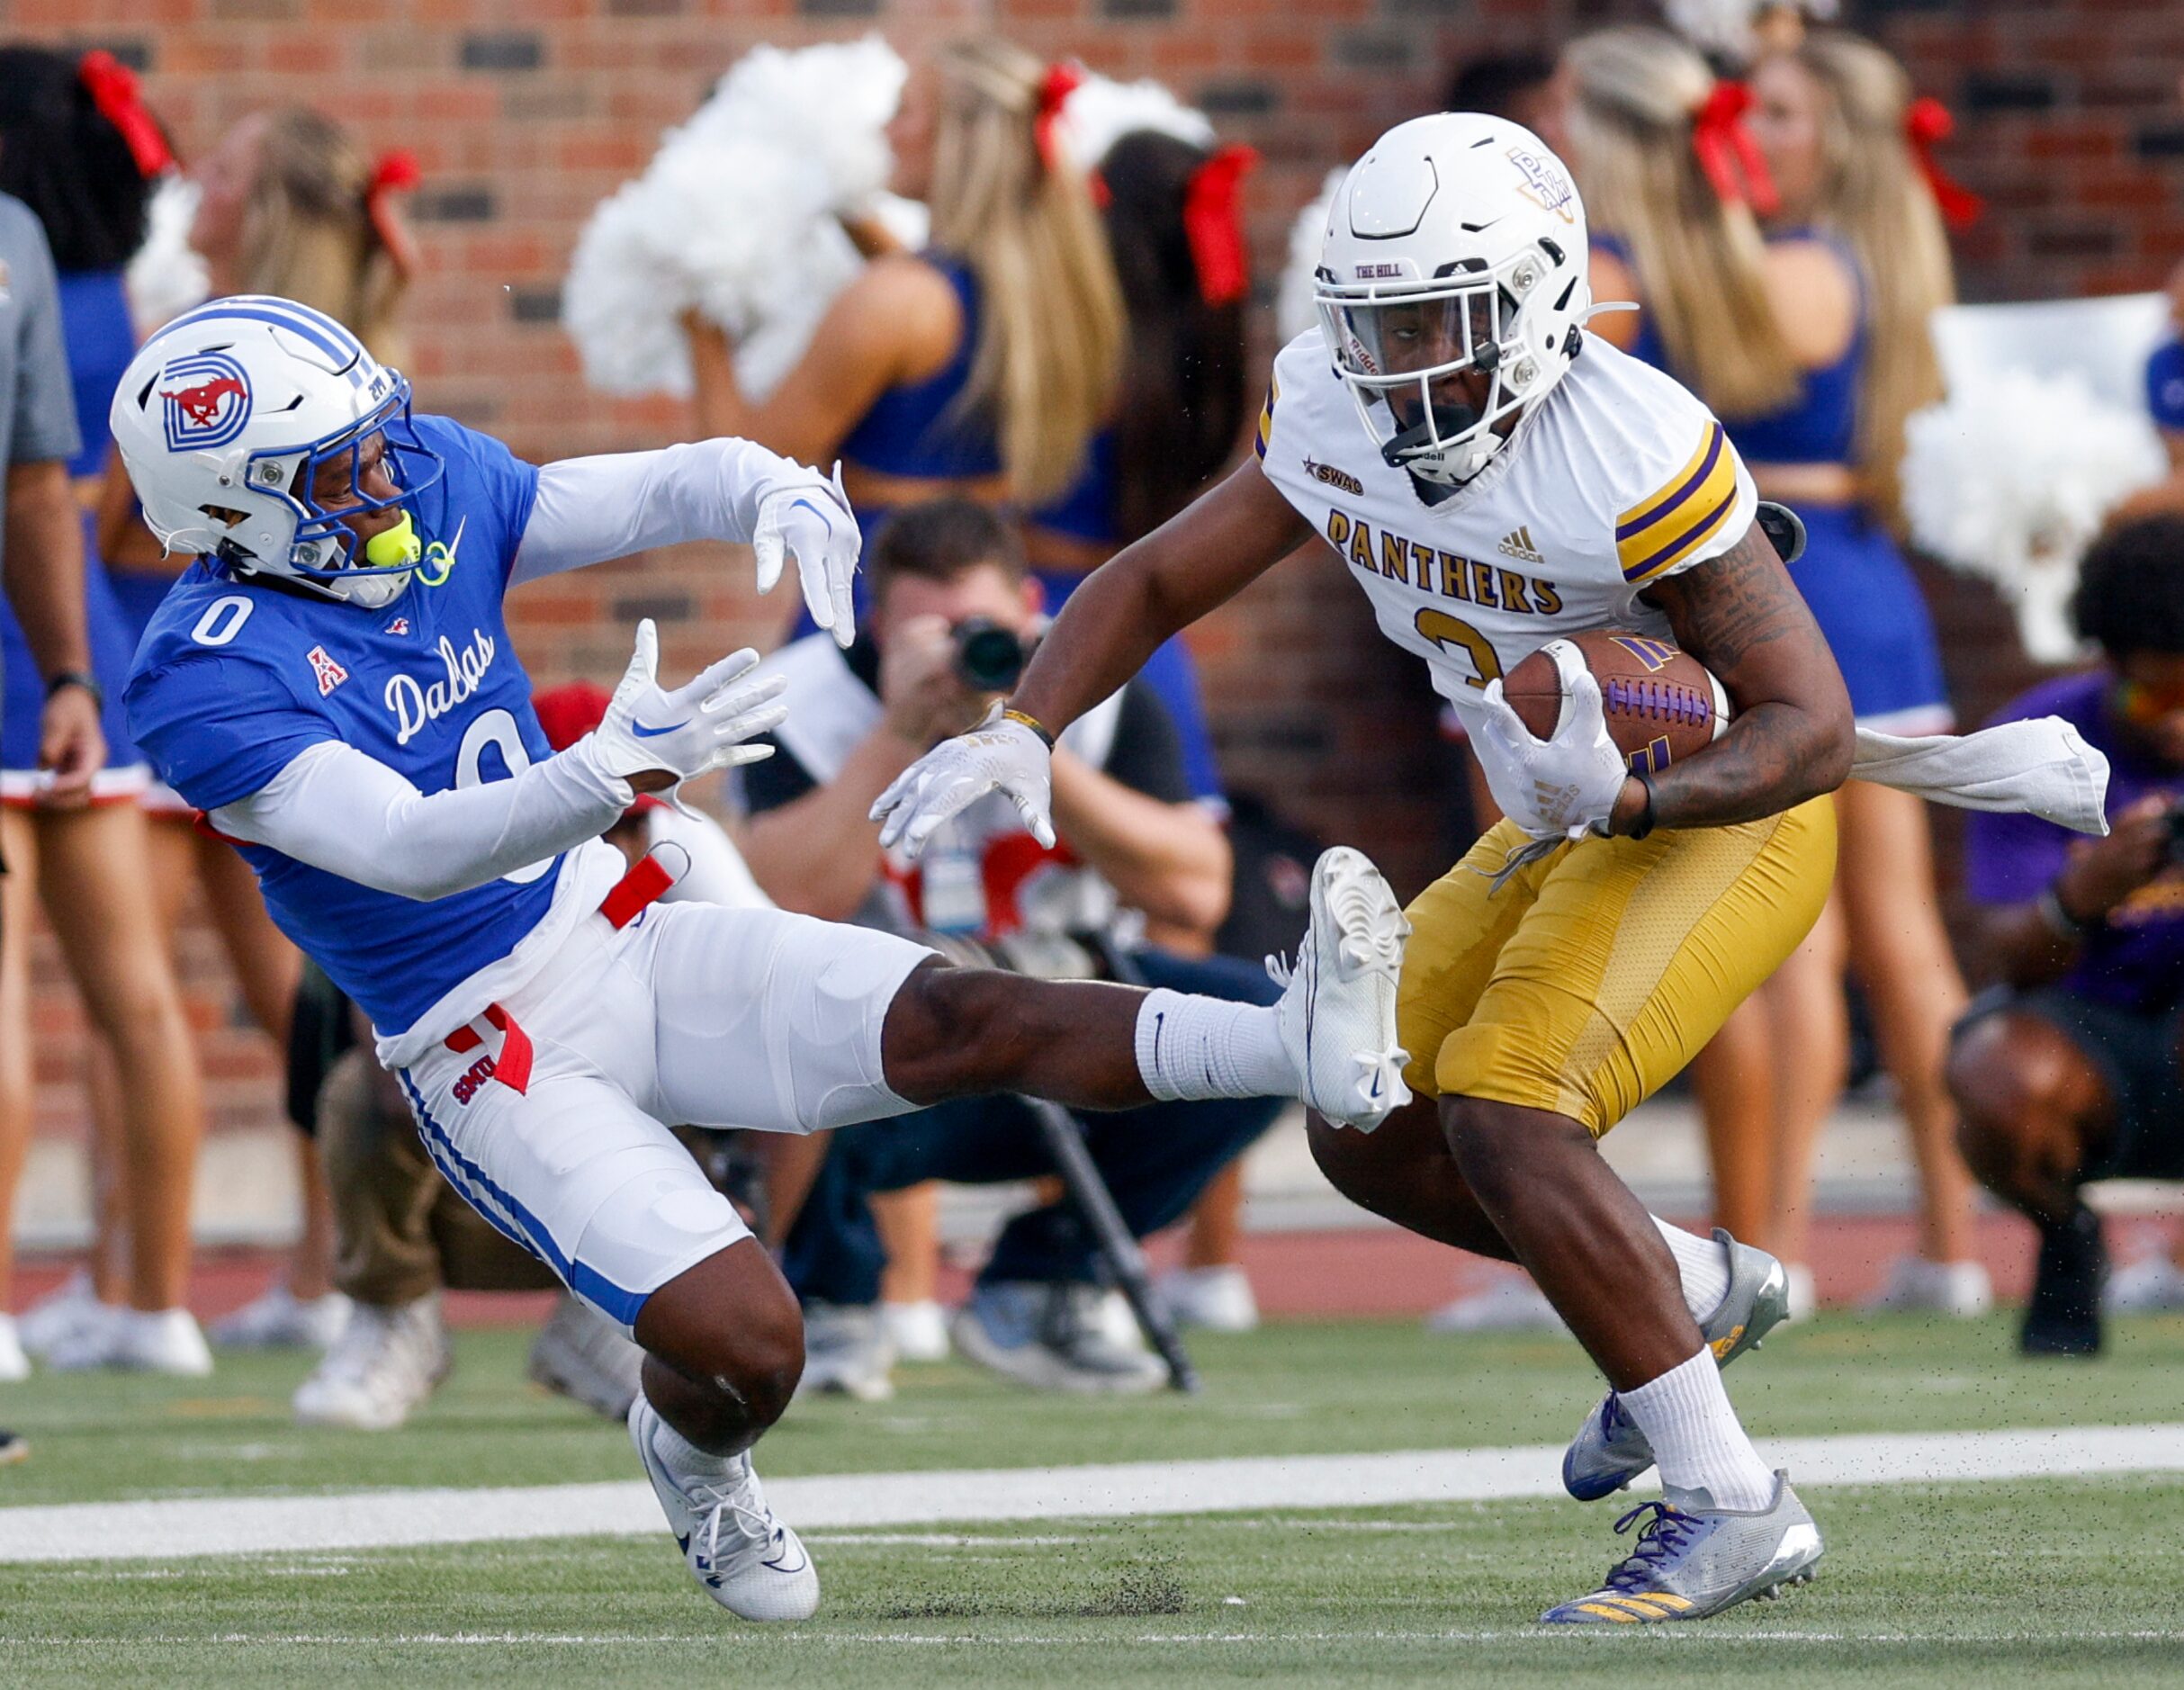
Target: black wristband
x=1023, y=720
x=1645, y=819
x=77, y=678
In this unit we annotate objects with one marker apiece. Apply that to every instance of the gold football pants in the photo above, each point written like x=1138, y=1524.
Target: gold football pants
x=1598, y=971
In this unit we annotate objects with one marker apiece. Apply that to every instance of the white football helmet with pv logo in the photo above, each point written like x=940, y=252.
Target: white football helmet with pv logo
x=1456, y=244
x=232, y=417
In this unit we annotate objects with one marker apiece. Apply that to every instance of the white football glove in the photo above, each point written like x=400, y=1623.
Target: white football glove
x=696, y=728
x=812, y=520
x=1565, y=786
x=998, y=755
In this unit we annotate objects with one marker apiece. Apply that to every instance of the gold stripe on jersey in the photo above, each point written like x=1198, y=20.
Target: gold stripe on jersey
x=1661, y=532
x=1265, y=436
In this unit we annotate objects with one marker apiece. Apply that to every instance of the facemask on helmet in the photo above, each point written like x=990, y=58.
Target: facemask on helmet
x=1451, y=288
x=256, y=429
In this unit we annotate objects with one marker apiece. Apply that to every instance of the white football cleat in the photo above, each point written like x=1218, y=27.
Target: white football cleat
x=918, y=1331
x=1214, y=1299
x=1960, y=1290
x=741, y=1557
x=1337, y=1012
x=278, y=1319
x=384, y=1366
x=1511, y=1303
x=2151, y=1283
x=69, y=1305
x=165, y=1341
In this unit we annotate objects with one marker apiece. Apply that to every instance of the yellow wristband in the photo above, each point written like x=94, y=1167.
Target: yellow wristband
x=1031, y=722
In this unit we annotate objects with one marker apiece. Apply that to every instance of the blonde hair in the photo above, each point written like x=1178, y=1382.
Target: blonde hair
x=1874, y=195
x=308, y=236
x=1049, y=350
x=1700, y=260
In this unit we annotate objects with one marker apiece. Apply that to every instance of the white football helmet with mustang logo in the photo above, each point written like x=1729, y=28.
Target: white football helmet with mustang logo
x=1452, y=287
x=238, y=419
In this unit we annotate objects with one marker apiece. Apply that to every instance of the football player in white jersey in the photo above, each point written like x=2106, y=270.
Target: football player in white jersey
x=331, y=681
x=1495, y=478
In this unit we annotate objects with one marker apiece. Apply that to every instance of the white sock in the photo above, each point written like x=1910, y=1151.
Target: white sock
x=1192, y=1047
x=1705, y=1459
x=684, y=1457
x=1703, y=1266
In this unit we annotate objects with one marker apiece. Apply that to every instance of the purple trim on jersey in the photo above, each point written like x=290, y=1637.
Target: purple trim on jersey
x=2137, y=960
x=1692, y=484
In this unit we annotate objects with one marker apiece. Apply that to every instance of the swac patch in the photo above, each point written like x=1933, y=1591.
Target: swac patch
x=330, y=674
x=208, y=400
x=1545, y=183
x=1327, y=474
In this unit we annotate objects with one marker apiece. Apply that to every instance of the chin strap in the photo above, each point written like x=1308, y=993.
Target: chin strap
x=1444, y=423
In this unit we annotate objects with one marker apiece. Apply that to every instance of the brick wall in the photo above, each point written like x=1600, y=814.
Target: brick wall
x=525, y=112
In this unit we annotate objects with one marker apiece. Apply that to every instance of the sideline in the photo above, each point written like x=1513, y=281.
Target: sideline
x=385, y=1519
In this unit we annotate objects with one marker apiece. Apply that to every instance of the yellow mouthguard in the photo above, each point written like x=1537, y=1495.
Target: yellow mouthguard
x=396, y=546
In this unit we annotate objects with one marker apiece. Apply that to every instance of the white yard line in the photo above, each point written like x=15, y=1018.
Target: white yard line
x=160, y=1529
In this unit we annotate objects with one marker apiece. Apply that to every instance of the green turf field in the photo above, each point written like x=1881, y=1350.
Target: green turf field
x=2076, y=1582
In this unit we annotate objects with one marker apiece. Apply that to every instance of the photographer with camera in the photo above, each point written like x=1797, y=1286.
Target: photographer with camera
x=2069, y=1071
x=953, y=613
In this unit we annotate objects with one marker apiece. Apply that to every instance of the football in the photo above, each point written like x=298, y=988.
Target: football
x=1661, y=703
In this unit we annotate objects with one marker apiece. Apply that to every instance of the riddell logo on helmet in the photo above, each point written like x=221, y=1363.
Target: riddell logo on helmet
x=1544, y=184
x=206, y=401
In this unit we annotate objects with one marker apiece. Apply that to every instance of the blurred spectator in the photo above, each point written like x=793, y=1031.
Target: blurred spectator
x=1812, y=346
x=1526, y=86
x=401, y=1233
x=290, y=204
x=79, y=150
x=984, y=366
x=952, y=608
x=1175, y=225
x=2069, y=1071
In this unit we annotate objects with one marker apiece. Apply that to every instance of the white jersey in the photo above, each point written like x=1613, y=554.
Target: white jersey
x=1617, y=480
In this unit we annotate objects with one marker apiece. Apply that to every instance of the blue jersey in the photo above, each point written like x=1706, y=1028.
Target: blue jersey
x=231, y=681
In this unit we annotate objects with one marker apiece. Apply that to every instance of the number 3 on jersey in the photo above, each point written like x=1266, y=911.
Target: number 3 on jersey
x=1444, y=631
x=496, y=728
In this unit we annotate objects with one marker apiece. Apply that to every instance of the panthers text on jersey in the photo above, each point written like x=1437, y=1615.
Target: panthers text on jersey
x=1617, y=479
x=231, y=681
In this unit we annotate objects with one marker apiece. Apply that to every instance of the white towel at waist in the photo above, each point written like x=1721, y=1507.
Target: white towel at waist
x=2041, y=766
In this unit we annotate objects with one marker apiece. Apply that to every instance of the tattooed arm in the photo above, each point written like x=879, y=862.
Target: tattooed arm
x=1742, y=615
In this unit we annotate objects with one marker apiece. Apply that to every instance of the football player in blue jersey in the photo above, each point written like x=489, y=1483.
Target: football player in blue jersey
x=332, y=682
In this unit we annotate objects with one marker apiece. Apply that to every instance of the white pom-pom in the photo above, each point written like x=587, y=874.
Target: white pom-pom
x=734, y=216
x=167, y=275
x=1099, y=111
x=1293, y=312
x=2009, y=479
x=827, y=104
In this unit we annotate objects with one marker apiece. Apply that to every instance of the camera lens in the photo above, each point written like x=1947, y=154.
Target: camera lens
x=988, y=656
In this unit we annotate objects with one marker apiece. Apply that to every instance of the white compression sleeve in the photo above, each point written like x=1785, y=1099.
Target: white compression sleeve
x=590, y=509
x=350, y=814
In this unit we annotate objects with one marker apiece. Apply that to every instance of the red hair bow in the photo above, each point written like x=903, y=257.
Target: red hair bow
x=395, y=172
x=1060, y=82
x=1727, y=152
x=113, y=88
x=1214, y=225
x=1926, y=122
